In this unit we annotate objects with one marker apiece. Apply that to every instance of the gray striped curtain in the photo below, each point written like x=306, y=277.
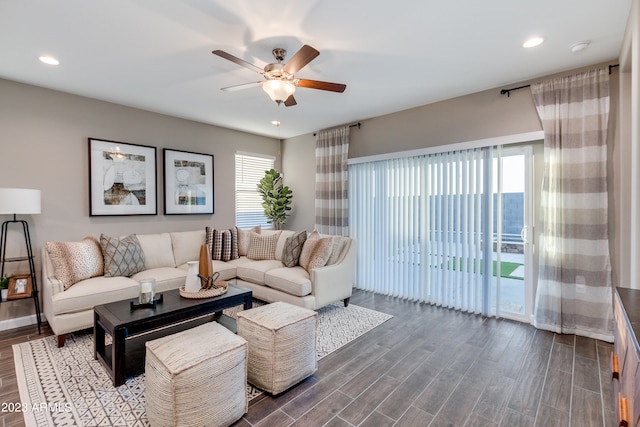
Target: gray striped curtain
x=332, y=149
x=574, y=290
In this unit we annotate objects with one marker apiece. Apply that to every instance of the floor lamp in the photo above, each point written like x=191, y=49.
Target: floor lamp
x=14, y=201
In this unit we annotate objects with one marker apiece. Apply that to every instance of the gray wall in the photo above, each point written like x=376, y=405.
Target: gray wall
x=43, y=140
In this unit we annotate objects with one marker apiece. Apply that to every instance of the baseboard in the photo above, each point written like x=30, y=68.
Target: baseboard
x=19, y=322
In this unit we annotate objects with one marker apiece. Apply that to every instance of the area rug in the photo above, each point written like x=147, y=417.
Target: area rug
x=66, y=386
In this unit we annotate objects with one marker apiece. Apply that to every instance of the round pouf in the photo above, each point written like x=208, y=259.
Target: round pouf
x=282, y=345
x=196, y=377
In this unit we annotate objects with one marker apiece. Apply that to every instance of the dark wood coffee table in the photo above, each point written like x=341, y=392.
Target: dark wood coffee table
x=130, y=329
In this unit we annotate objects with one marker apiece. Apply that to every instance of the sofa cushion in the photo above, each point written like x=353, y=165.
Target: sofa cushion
x=88, y=293
x=186, y=245
x=223, y=244
x=166, y=278
x=158, y=251
x=293, y=248
x=76, y=261
x=263, y=246
x=254, y=271
x=226, y=269
x=294, y=281
x=244, y=239
x=122, y=257
x=315, y=252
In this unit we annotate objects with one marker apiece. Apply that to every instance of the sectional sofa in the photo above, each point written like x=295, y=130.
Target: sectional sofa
x=76, y=274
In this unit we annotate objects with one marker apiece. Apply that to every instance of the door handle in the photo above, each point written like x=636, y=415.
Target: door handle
x=524, y=234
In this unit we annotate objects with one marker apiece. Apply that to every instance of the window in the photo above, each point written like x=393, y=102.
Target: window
x=250, y=169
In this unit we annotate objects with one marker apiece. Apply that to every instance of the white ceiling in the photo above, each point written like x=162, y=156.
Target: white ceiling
x=392, y=55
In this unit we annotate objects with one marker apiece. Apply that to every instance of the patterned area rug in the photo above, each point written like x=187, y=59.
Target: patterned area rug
x=66, y=386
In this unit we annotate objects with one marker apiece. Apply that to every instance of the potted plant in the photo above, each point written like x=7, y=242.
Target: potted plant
x=4, y=287
x=276, y=198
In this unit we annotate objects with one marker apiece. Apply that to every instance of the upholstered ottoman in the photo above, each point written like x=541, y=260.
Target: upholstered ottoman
x=197, y=377
x=282, y=345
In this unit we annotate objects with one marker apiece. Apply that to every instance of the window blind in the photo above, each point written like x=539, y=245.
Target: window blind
x=250, y=170
x=419, y=223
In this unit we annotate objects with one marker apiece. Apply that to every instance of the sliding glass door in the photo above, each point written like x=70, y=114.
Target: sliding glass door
x=440, y=229
x=512, y=224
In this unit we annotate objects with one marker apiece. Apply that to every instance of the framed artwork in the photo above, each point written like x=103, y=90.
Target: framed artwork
x=122, y=178
x=188, y=182
x=19, y=286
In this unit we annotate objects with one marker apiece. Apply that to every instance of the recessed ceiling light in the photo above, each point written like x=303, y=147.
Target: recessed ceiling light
x=533, y=42
x=275, y=122
x=50, y=60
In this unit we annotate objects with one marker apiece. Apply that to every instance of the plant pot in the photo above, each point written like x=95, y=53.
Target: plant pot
x=4, y=294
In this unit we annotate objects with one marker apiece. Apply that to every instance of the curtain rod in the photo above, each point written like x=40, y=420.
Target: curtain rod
x=508, y=91
x=351, y=126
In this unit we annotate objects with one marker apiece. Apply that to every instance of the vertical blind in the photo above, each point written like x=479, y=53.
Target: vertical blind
x=419, y=223
x=249, y=171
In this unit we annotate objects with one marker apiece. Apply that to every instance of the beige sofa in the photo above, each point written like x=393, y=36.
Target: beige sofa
x=166, y=256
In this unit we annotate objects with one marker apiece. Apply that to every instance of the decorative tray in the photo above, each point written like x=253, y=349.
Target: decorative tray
x=222, y=287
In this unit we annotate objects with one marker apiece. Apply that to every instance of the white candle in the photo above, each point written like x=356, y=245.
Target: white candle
x=145, y=287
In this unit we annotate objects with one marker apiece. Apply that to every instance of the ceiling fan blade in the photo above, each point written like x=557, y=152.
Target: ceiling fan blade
x=290, y=101
x=315, y=84
x=241, y=86
x=242, y=62
x=301, y=58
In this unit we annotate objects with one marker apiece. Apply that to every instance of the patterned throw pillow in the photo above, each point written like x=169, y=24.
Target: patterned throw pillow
x=293, y=248
x=223, y=244
x=244, y=238
x=316, y=251
x=122, y=257
x=263, y=246
x=76, y=261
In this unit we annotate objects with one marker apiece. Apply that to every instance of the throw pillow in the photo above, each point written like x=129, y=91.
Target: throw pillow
x=263, y=246
x=122, y=257
x=339, y=243
x=223, y=244
x=244, y=238
x=293, y=248
x=76, y=261
x=315, y=252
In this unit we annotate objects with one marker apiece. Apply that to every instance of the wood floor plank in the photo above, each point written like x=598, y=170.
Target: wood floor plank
x=359, y=383
x=586, y=408
x=414, y=417
x=314, y=395
x=324, y=411
x=367, y=402
x=586, y=374
x=586, y=347
x=552, y=417
x=557, y=391
x=514, y=418
x=494, y=398
x=527, y=393
x=561, y=357
x=437, y=392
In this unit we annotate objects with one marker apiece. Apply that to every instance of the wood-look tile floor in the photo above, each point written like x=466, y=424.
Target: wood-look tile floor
x=428, y=366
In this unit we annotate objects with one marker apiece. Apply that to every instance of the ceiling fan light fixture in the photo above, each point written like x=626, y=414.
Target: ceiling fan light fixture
x=278, y=90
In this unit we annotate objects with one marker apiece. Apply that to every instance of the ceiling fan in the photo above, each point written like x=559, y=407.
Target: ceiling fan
x=280, y=82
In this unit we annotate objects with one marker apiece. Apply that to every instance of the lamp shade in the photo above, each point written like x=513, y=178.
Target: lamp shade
x=19, y=201
x=278, y=90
